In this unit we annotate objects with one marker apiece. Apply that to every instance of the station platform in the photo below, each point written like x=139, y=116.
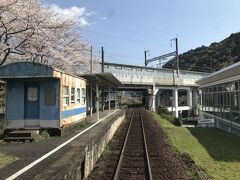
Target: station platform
x=76, y=153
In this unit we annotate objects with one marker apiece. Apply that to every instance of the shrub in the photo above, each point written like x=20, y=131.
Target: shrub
x=44, y=135
x=83, y=124
x=162, y=110
x=177, y=121
x=165, y=114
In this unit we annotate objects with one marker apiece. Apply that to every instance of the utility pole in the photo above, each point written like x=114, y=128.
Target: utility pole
x=91, y=88
x=102, y=52
x=145, y=58
x=91, y=65
x=176, y=54
x=177, y=57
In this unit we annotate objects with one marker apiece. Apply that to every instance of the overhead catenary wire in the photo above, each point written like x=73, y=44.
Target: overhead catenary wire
x=123, y=38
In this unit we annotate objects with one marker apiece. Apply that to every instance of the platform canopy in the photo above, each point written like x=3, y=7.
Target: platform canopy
x=103, y=79
x=225, y=73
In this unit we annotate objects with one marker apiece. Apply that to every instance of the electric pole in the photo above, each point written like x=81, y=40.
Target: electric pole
x=145, y=58
x=177, y=57
x=102, y=52
x=91, y=65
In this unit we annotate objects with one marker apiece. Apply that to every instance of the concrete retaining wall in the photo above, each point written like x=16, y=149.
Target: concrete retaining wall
x=96, y=147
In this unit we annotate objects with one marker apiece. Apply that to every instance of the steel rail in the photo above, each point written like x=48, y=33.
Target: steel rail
x=117, y=172
x=145, y=147
x=116, y=175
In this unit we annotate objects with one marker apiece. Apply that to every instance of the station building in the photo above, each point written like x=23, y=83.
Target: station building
x=219, y=98
x=39, y=96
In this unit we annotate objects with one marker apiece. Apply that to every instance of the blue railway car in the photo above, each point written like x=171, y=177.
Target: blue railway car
x=41, y=97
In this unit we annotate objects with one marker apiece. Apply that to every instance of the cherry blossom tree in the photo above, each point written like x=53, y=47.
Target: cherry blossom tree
x=30, y=31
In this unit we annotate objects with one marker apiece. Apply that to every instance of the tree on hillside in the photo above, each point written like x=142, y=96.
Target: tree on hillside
x=30, y=31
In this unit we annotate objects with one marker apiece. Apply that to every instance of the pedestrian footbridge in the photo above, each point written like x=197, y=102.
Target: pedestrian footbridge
x=156, y=79
x=139, y=75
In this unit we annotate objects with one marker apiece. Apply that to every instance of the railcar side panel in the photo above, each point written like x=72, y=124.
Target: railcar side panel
x=73, y=99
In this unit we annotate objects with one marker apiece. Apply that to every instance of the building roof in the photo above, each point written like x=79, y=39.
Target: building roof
x=104, y=79
x=25, y=69
x=230, y=71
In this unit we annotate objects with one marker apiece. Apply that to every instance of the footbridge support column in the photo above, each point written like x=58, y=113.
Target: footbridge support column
x=154, y=93
x=195, y=101
x=189, y=98
x=175, y=102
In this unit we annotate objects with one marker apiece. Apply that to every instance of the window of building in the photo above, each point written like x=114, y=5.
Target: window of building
x=78, y=95
x=50, y=96
x=32, y=94
x=65, y=95
x=84, y=95
x=72, y=95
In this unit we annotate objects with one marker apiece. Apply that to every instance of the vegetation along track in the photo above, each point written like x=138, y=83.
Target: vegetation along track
x=126, y=155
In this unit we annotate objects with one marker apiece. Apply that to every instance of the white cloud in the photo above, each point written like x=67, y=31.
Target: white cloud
x=91, y=13
x=102, y=18
x=77, y=13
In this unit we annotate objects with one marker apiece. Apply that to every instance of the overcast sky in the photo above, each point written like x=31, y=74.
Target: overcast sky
x=128, y=27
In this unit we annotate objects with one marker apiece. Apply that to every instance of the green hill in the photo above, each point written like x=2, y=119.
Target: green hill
x=211, y=58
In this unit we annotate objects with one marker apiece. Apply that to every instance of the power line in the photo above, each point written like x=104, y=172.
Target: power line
x=122, y=38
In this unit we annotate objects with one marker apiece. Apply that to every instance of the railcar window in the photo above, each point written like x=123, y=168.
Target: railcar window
x=84, y=95
x=78, y=95
x=65, y=95
x=72, y=95
x=50, y=96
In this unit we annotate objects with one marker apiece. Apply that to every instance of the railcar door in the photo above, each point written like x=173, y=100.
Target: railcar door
x=31, y=103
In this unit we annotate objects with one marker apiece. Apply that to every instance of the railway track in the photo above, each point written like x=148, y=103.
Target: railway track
x=134, y=160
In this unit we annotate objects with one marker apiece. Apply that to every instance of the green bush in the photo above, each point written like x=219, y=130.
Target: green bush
x=162, y=110
x=44, y=135
x=177, y=121
x=165, y=114
x=83, y=124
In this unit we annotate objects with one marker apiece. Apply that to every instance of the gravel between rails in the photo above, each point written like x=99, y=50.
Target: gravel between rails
x=165, y=163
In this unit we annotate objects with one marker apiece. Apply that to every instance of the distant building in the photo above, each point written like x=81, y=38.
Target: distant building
x=220, y=96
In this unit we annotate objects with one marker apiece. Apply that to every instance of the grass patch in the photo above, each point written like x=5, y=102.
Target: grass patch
x=217, y=153
x=44, y=135
x=83, y=124
x=6, y=159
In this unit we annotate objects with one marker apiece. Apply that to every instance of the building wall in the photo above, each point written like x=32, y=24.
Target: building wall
x=76, y=111
x=49, y=112
x=15, y=113
x=15, y=99
x=222, y=103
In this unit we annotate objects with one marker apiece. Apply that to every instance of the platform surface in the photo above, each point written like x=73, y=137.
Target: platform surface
x=29, y=152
